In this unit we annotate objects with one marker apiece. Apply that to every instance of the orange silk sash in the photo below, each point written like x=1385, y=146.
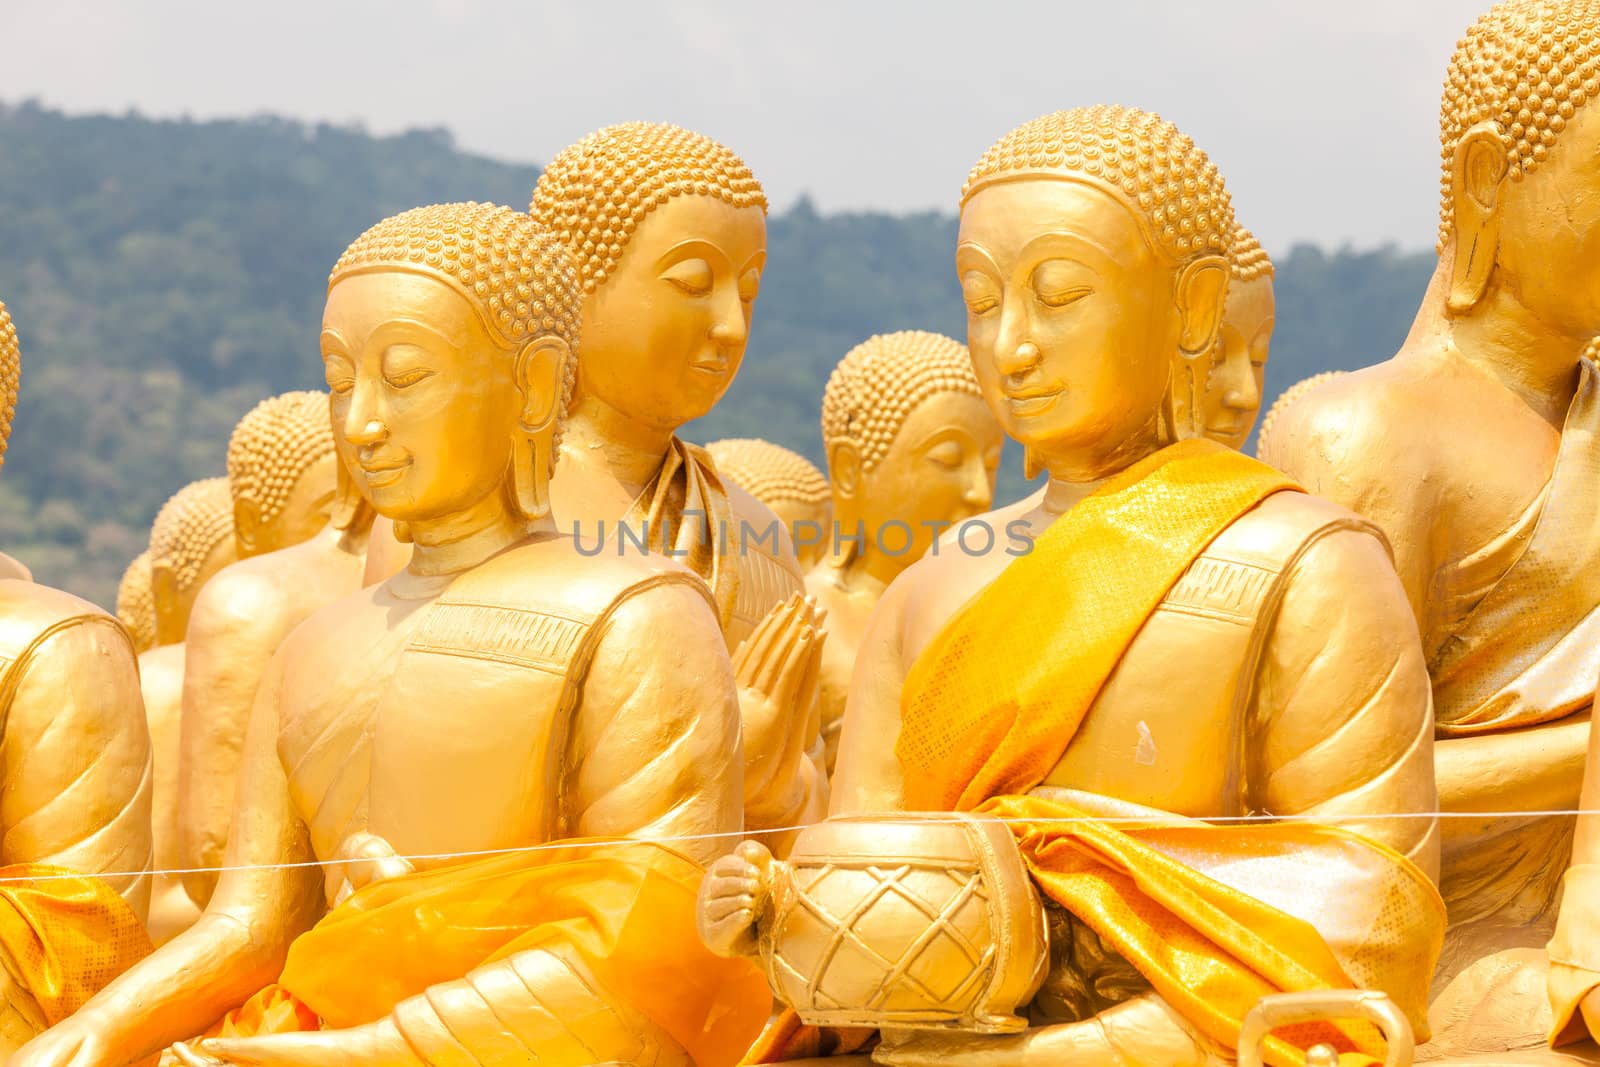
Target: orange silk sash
x=991, y=704
x=625, y=908
x=66, y=934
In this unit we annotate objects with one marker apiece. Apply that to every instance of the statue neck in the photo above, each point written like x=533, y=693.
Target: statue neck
x=629, y=450
x=1507, y=340
x=459, y=542
x=1077, y=473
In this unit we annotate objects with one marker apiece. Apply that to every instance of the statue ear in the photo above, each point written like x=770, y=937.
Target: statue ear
x=246, y=525
x=1477, y=174
x=540, y=376
x=844, y=469
x=1202, y=291
x=164, y=594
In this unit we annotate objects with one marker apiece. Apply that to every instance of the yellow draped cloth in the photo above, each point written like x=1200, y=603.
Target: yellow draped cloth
x=981, y=725
x=625, y=908
x=688, y=483
x=66, y=935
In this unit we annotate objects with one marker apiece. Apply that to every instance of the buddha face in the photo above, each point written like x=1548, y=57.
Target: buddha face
x=1549, y=243
x=1233, y=389
x=939, y=469
x=1071, y=316
x=422, y=391
x=664, y=334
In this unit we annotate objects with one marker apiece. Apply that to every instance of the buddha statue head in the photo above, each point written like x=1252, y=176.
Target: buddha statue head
x=191, y=540
x=282, y=471
x=1519, y=221
x=668, y=231
x=136, y=605
x=1231, y=394
x=1093, y=251
x=785, y=481
x=10, y=377
x=911, y=446
x=448, y=342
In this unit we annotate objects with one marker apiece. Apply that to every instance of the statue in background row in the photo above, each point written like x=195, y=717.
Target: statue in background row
x=668, y=231
x=136, y=603
x=912, y=451
x=784, y=481
x=191, y=540
x=302, y=528
x=1475, y=450
x=1189, y=639
x=74, y=791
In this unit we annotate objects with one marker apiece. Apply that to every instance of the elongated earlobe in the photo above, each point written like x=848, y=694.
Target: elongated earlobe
x=1477, y=174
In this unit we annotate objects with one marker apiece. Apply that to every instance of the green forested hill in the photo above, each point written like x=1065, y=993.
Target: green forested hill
x=164, y=276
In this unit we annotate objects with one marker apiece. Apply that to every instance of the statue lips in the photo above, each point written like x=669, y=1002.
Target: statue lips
x=380, y=475
x=1035, y=400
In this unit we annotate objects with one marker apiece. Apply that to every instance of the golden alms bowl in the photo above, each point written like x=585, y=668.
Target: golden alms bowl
x=912, y=921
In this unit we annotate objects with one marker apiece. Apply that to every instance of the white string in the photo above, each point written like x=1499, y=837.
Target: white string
x=1156, y=819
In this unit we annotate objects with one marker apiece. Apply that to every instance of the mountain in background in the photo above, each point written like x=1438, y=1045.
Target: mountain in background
x=166, y=275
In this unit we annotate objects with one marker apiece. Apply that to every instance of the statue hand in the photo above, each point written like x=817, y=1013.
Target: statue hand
x=373, y=1045
x=367, y=858
x=779, y=668
x=74, y=1042
x=734, y=896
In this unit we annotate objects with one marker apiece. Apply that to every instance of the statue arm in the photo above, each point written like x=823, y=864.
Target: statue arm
x=1575, y=949
x=868, y=776
x=76, y=761
x=1343, y=724
x=654, y=749
x=1532, y=768
x=263, y=901
x=231, y=639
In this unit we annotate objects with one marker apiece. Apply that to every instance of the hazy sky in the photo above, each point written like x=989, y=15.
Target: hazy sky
x=1322, y=115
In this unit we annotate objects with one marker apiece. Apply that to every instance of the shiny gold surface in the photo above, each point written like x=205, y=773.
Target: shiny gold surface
x=579, y=721
x=136, y=603
x=75, y=765
x=668, y=228
x=303, y=526
x=1475, y=450
x=784, y=481
x=1231, y=390
x=912, y=451
x=1094, y=250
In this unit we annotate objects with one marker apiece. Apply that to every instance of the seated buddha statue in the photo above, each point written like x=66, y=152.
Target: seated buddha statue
x=912, y=451
x=74, y=791
x=668, y=231
x=1475, y=450
x=1191, y=646
x=784, y=481
x=191, y=541
x=136, y=605
x=444, y=846
x=1231, y=391
x=301, y=527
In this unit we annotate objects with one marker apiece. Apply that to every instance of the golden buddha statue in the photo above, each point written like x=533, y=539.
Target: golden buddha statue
x=784, y=481
x=74, y=791
x=1231, y=393
x=912, y=451
x=1474, y=449
x=468, y=763
x=1189, y=639
x=136, y=604
x=1573, y=984
x=1286, y=399
x=191, y=540
x=302, y=527
x=668, y=231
